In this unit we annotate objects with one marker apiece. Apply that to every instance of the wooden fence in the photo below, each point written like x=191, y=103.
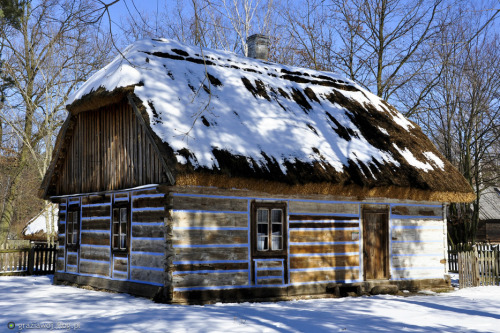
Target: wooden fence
x=453, y=251
x=37, y=259
x=478, y=267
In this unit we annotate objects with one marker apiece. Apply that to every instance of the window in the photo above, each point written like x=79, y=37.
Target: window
x=269, y=228
x=73, y=228
x=120, y=227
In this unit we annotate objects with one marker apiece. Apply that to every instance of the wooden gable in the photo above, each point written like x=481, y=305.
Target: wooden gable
x=106, y=149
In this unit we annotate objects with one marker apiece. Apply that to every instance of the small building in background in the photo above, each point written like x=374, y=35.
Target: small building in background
x=489, y=216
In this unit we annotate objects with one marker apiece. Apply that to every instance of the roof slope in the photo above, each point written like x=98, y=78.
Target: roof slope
x=489, y=204
x=232, y=117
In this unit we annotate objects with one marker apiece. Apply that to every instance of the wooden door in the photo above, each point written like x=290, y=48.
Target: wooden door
x=375, y=244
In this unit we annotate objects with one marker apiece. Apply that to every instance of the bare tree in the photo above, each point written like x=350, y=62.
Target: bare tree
x=48, y=55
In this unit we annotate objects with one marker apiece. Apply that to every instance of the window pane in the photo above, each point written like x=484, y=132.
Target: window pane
x=123, y=242
x=123, y=230
x=262, y=215
x=123, y=214
x=276, y=229
x=262, y=243
x=276, y=243
x=276, y=215
x=116, y=211
x=262, y=229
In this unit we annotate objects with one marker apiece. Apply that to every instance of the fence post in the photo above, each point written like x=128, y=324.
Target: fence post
x=31, y=260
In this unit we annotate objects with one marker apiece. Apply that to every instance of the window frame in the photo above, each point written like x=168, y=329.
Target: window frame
x=120, y=206
x=73, y=210
x=269, y=253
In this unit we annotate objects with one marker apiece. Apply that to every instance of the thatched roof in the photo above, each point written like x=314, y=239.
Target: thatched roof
x=232, y=121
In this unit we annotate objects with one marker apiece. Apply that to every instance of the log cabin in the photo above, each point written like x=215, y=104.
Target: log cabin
x=188, y=174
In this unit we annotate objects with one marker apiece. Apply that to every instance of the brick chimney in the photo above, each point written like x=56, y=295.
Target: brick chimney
x=258, y=47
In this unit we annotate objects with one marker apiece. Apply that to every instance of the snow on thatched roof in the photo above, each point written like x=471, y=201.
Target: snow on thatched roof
x=240, y=118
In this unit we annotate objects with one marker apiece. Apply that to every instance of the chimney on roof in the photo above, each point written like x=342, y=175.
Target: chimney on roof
x=258, y=46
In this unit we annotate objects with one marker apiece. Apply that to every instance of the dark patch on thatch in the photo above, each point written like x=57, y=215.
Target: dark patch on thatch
x=181, y=52
x=251, y=70
x=311, y=127
x=344, y=132
x=188, y=155
x=297, y=79
x=191, y=87
x=147, y=60
x=284, y=93
x=205, y=121
x=312, y=96
x=201, y=61
x=286, y=71
x=301, y=100
x=156, y=117
x=213, y=80
x=165, y=55
x=258, y=90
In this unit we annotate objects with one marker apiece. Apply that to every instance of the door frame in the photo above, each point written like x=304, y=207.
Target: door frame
x=377, y=209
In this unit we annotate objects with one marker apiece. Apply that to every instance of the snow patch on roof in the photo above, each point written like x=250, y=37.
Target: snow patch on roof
x=413, y=161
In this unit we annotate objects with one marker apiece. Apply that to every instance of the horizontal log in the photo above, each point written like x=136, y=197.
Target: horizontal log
x=323, y=225
x=315, y=207
x=417, y=211
x=210, y=279
x=148, y=202
x=120, y=265
x=322, y=218
x=333, y=275
x=95, y=253
x=147, y=275
x=324, y=261
x=203, y=267
x=96, y=211
x=147, y=260
x=320, y=236
x=431, y=223
x=145, y=192
x=412, y=261
x=187, y=219
x=270, y=264
x=337, y=248
x=121, y=195
x=148, y=231
x=148, y=216
x=60, y=265
x=148, y=245
x=61, y=216
x=104, y=224
x=120, y=275
x=417, y=248
x=209, y=204
x=95, y=238
x=71, y=269
x=94, y=268
x=72, y=259
x=61, y=228
x=96, y=199
x=412, y=235
x=206, y=254
x=270, y=273
x=276, y=281
x=201, y=237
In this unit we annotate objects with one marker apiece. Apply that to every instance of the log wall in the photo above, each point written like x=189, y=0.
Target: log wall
x=211, y=240
x=142, y=263
x=418, y=242
x=108, y=150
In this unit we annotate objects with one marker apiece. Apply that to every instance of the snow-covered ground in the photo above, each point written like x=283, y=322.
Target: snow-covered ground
x=35, y=301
